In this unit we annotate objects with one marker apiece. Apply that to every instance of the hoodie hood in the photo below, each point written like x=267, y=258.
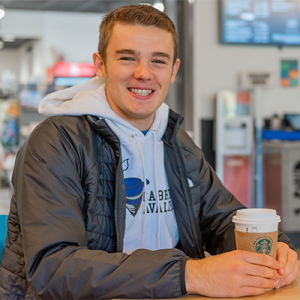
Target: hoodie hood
x=89, y=98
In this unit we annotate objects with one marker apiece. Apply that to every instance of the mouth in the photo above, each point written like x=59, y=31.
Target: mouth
x=141, y=92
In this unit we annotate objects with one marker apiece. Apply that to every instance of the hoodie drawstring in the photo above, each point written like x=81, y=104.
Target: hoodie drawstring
x=155, y=182
x=144, y=206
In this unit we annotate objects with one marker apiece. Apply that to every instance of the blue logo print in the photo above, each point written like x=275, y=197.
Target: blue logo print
x=134, y=188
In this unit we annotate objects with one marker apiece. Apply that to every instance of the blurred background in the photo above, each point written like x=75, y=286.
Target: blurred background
x=237, y=87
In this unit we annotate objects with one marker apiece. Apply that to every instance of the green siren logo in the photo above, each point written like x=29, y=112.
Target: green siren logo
x=263, y=246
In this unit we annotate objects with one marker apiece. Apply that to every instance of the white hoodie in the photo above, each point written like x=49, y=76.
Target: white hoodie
x=150, y=219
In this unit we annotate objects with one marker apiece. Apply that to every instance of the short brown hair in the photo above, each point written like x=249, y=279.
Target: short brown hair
x=135, y=14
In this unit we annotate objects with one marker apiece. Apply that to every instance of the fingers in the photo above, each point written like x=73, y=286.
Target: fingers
x=282, y=256
x=260, y=282
x=260, y=259
x=291, y=277
x=257, y=270
x=291, y=262
x=291, y=269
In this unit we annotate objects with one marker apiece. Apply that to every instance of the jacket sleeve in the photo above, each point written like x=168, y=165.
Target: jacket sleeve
x=50, y=198
x=218, y=206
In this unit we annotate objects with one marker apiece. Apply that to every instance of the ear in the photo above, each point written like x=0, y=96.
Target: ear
x=98, y=65
x=175, y=70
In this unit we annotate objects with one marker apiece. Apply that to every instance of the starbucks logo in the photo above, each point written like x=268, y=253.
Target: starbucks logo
x=263, y=246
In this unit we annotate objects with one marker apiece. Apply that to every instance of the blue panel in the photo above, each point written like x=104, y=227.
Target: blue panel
x=3, y=232
x=281, y=135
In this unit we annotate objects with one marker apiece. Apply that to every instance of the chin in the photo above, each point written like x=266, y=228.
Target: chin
x=140, y=115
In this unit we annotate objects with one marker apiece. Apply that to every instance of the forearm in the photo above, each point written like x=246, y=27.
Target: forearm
x=79, y=273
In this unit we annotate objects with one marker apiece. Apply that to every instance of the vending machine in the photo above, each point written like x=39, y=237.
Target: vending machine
x=234, y=143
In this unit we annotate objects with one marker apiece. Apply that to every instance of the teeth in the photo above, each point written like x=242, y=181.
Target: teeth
x=140, y=92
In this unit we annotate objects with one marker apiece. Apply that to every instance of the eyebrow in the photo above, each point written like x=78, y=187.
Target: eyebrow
x=132, y=52
x=162, y=54
x=125, y=51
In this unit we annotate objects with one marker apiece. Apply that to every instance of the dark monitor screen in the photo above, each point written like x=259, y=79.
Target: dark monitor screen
x=294, y=120
x=260, y=22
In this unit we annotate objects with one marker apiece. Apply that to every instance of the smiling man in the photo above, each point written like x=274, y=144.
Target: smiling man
x=113, y=200
x=138, y=70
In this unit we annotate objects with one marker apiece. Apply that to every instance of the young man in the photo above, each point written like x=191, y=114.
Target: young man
x=114, y=200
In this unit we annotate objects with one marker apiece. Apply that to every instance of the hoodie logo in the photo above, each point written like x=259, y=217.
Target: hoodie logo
x=125, y=164
x=134, y=188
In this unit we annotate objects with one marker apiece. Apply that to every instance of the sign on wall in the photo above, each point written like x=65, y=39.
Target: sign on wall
x=250, y=80
x=289, y=73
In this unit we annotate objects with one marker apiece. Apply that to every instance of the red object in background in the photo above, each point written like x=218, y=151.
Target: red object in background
x=243, y=97
x=68, y=69
x=237, y=177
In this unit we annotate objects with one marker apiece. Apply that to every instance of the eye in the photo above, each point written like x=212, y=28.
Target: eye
x=127, y=58
x=157, y=61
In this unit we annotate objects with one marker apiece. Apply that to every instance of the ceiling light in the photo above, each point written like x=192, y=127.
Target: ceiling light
x=2, y=12
x=8, y=37
x=1, y=45
x=159, y=6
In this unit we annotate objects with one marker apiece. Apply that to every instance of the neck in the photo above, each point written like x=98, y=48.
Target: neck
x=140, y=124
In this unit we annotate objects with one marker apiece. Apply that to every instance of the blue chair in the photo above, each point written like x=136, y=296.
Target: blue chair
x=3, y=232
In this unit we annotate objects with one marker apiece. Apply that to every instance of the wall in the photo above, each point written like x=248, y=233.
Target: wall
x=71, y=35
x=32, y=65
x=22, y=23
x=9, y=61
x=75, y=35
x=217, y=67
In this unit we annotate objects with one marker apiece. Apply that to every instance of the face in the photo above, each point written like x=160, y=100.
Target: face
x=138, y=70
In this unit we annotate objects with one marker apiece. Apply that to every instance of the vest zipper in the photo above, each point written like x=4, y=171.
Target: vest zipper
x=116, y=204
x=187, y=194
x=115, y=211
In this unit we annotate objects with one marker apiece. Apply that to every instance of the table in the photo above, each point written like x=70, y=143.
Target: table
x=289, y=292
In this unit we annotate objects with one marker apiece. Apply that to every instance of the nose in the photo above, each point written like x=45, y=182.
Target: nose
x=143, y=71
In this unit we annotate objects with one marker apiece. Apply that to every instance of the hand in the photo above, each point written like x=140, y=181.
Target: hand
x=233, y=274
x=288, y=266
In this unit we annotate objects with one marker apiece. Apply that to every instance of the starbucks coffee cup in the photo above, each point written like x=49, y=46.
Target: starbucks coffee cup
x=256, y=230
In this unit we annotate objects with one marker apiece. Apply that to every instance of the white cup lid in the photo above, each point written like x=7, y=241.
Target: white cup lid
x=256, y=216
